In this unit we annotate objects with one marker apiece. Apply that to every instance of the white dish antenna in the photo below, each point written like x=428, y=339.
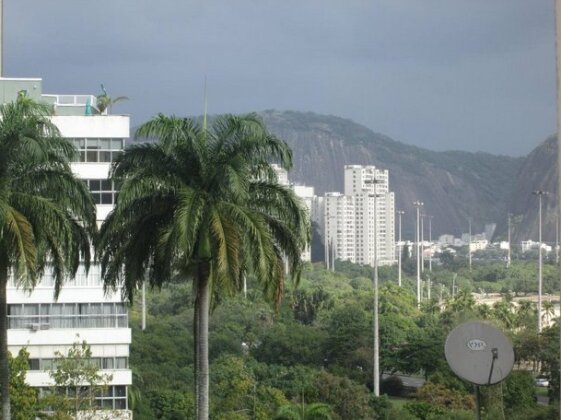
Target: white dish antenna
x=479, y=353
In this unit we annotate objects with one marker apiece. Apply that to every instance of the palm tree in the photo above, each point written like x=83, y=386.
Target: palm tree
x=503, y=311
x=548, y=311
x=204, y=204
x=104, y=102
x=315, y=411
x=46, y=215
x=526, y=314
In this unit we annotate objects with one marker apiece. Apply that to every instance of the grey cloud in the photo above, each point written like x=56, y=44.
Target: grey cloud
x=443, y=74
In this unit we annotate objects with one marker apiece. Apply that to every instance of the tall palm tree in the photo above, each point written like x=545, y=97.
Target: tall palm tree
x=47, y=216
x=204, y=204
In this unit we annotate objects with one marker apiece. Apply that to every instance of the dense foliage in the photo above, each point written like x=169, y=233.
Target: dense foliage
x=317, y=349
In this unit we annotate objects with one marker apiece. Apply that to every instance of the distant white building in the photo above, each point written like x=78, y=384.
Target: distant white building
x=478, y=245
x=446, y=239
x=350, y=225
x=340, y=222
x=312, y=203
x=529, y=244
x=308, y=197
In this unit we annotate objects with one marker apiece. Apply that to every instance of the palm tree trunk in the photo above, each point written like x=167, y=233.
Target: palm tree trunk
x=202, y=306
x=4, y=372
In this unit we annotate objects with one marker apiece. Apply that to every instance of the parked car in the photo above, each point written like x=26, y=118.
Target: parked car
x=542, y=382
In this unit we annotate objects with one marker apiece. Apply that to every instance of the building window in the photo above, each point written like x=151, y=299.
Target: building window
x=98, y=150
x=103, y=190
x=67, y=315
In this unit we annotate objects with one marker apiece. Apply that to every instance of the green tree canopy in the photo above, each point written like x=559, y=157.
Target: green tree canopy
x=47, y=216
x=203, y=205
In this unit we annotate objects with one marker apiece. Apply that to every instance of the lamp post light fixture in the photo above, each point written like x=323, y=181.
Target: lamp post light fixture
x=539, y=194
x=399, y=247
x=418, y=205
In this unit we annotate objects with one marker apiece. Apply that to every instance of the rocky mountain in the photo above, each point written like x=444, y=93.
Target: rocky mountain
x=537, y=172
x=455, y=186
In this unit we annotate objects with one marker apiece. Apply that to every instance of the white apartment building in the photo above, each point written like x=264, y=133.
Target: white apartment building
x=352, y=225
x=82, y=312
x=313, y=203
x=306, y=194
x=529, y=244
x=478, y=245
x=340, y=226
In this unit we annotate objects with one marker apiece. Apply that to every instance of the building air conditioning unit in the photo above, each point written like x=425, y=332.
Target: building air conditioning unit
x=38, y=326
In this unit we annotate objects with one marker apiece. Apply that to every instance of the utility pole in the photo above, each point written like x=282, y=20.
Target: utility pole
x=454, y=285
x=143, y=302
x=539, y=194
x=469, y=244
x=399, y=247
x=418, y=205
x=430, y=243
x=423, y=243
x=1, y=38
x=376, y=364
x=332, y=257
x=509, y=244
x=558, y=56
x=557, y=240
x=326, y=250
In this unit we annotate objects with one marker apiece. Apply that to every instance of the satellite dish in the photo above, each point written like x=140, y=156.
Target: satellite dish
x=479, y=353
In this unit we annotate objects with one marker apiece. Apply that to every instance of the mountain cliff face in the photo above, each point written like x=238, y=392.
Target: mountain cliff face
x=537, y=172
x=455, y=186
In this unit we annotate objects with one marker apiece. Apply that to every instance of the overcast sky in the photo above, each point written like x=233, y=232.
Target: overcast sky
x=476, y=75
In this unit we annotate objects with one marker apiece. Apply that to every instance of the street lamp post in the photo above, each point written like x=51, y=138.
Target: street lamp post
x=430, y=243
x=143, y=323
x=418, y=205
x=539, y=194
x=399, y=247
x=558, y=74
x=469, y=244
x=376, y=352
x=509, y=245
x=376, y=344
x=557, y=240
x=423, y=243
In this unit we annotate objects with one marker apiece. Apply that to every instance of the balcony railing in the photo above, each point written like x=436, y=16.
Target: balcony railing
x=72, y=100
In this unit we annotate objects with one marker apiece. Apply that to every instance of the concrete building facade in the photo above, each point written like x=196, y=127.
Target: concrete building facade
x=83, y=312
x=352, y=227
